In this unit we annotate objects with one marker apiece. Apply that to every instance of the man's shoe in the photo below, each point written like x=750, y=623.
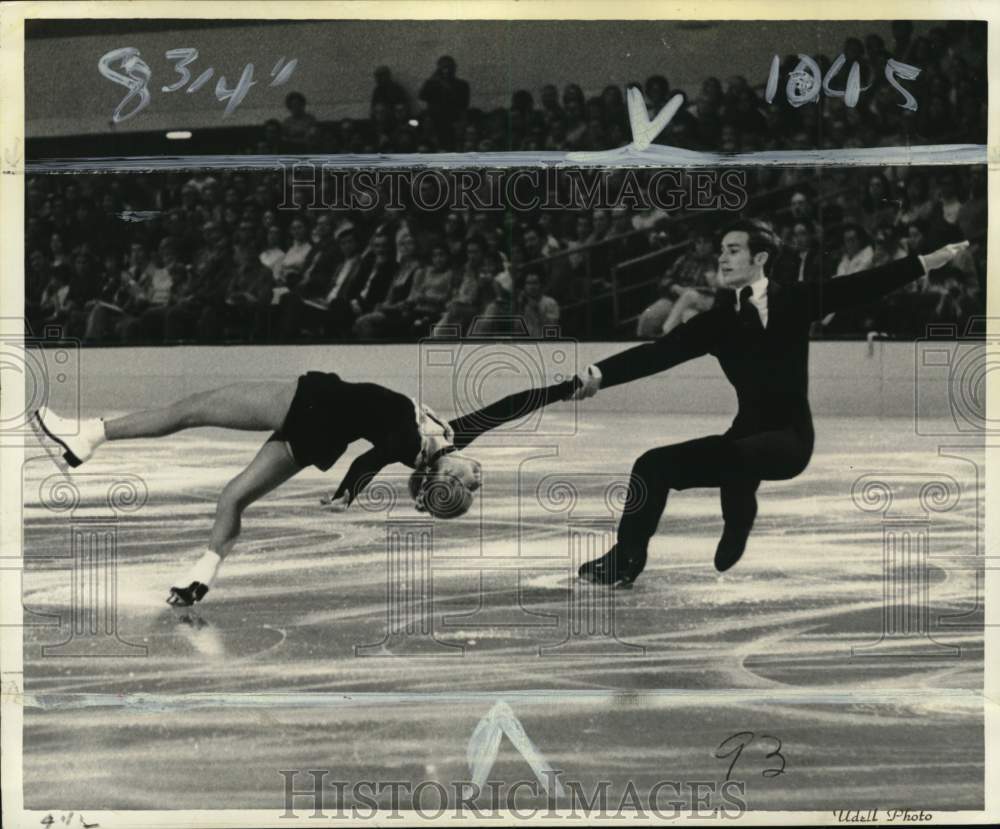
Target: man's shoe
x=614, y=569
x=187, y=596
x=731, y=545
x=595, y=570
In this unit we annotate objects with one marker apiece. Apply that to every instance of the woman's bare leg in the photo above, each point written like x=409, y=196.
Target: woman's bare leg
x=272, y=466
x=250, y=406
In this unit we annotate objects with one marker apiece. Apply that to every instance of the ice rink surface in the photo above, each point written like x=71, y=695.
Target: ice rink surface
x=371, y=643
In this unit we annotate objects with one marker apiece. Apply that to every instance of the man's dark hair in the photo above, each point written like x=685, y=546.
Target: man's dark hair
x=761, y=238
x=858, y=229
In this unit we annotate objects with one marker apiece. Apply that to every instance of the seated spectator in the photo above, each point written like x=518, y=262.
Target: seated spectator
x=247, y=296
x=447, y=99
x=322, y=300
x=615, y=109
x=536, y=309
x=200, y=180
x=269, y=142
x=549, y=99
x=473, y=293
x=651, y=320
x=801, y=261
x=56, y=303
x=147, y=316
x=857, y=252
x=377, y=273
x=690, y=303
x=917, y=241
x=972, y=214
x=298, y=255
x=387, y=92
x=630, y=243
x=584, y=229
x=917, y=203
x=391, y=316
x=273, y=254
x=86, y=283
x=498, y=320
x=800, y=207
x=878, y=206
x=575, y=125
x=295, y=128
x=432, y=289
x=36, y=278
x=197, y=304
x=657, y=93
x=689, y=270
x=887, y=247
x=522, y=103
x=948, y=201
x=58, y=255
x=122, y=297
x=856, y=257
x=454, y=235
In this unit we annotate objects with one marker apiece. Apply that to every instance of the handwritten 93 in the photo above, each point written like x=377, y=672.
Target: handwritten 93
x=135, y=75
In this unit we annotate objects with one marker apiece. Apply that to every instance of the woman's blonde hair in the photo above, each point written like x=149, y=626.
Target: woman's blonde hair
x=437, y=492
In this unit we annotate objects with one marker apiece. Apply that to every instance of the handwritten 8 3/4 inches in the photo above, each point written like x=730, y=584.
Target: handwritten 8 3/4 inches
x=136, y=75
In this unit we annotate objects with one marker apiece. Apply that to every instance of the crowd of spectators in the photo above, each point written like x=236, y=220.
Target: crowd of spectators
x=218, y=260
x=212, y=256
x=730, y=116
x=858, y=220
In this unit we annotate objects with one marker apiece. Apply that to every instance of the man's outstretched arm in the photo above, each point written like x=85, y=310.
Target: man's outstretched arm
x=867, y=286
x=687, y=341
x=469, y=427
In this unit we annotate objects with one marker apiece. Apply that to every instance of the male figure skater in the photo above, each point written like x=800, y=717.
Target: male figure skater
x=759, y=332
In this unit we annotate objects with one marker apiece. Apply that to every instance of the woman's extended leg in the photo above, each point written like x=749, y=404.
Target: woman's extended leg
x=272, y=466
x=251, y=406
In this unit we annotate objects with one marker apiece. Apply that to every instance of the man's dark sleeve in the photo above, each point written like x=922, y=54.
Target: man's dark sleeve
x=468, y=427
x=860, y=288
x=687, y=341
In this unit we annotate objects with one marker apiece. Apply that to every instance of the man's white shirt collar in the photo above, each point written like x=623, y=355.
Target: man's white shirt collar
x=758, y=298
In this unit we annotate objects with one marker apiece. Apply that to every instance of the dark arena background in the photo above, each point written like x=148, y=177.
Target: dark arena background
x=374, y=642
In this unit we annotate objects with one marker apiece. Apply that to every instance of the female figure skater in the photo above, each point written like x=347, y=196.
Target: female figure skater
x=313, y=420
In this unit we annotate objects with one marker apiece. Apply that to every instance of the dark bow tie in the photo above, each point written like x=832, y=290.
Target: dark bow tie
x=749, y=316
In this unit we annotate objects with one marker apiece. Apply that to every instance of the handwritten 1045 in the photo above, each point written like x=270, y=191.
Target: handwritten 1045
x=125, y=66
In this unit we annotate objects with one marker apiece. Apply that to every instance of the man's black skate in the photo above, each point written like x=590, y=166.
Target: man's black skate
x=732, y=544
x=594, y=571
x=613, y=568
x=187, y=596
